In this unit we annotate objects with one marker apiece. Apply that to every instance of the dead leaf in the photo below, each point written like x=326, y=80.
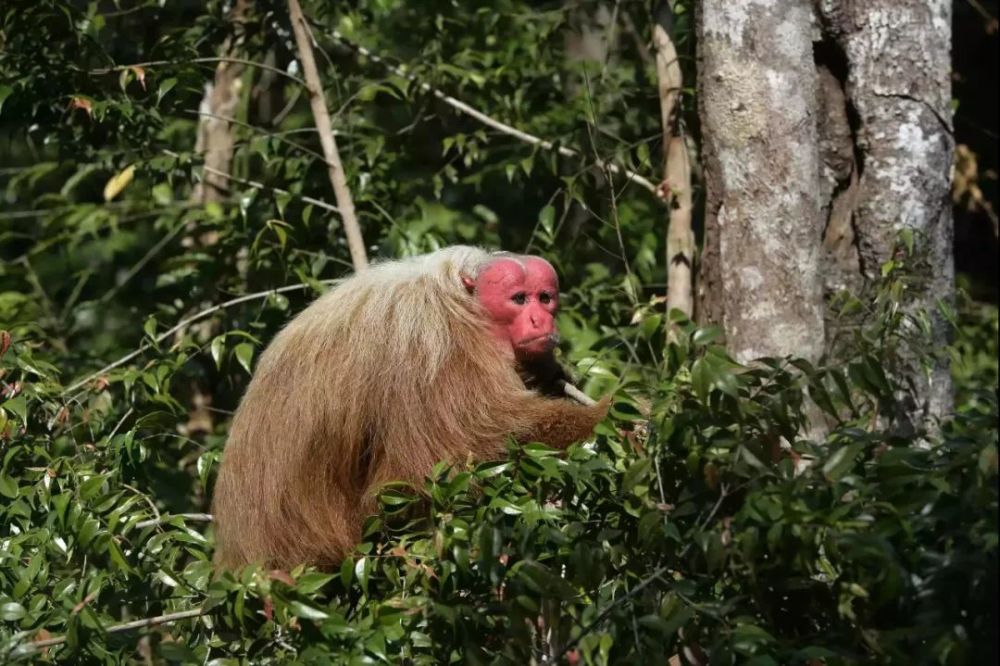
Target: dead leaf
x=283, y=576
x=118, y=182
x=82, y=103
x=140, y=74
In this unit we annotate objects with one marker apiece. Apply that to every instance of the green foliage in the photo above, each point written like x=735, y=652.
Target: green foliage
x=765, y=514
x=709, y=524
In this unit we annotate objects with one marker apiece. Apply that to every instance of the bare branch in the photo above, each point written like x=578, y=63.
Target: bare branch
x=184, y=323
x=578, y=395
x=509, y=130
x=167, y=618
x=160, y=520
x=319, y=203
x=321, y=114
x=162, y=63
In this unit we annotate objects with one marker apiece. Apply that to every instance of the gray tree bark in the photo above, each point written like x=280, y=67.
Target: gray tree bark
x=897, y=68
x=762, y=170
x=827, y=132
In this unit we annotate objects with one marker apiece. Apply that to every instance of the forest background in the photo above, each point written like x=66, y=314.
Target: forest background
x=775, y=226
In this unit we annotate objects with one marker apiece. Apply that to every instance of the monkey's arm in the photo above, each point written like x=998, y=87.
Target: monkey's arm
x=560, y=422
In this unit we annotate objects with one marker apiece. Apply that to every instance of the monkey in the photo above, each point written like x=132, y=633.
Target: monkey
x=404, y=364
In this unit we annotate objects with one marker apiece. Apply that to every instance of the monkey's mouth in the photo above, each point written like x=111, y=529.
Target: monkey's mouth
x=544, y=342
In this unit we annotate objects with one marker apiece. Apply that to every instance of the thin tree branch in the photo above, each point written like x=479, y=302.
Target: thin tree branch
x=184, y=323
x=509, y=130
x=159, y=520
x=18, y=214
x=217, y=59
x=260, y=130
x=578, y=395
x=335, y=168
x=167, y=618
x=153, y=251
x=319, y=203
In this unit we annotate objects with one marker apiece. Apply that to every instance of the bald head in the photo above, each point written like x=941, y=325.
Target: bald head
x=521, y=296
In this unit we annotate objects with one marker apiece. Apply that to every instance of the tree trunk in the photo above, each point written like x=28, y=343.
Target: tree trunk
x=222, y=97
x=676, y=187
x=762, y=170
x=825, y=136
x=895, y=61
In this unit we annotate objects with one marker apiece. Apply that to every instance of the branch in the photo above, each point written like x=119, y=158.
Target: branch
x=509, y=130
x=319, y=203
x=168, y=618
x=578, y=395
x=240, y=61
x=184, y=323
x=335, y=168
x=159, y=520
x=260, y=130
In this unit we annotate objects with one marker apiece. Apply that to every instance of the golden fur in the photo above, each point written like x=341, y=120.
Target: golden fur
x=376, y=381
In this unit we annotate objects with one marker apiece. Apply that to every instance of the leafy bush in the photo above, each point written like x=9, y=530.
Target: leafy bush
x=711, y=526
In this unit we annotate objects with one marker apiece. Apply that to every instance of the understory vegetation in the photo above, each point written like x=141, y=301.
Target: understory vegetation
x=699, y=519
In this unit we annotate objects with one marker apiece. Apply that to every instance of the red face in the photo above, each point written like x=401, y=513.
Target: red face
x=522, y=301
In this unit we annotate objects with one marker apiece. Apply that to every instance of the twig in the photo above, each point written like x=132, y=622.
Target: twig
x=319, y=203
x=578, y=395
x=153, y=251
x=167, y=618
x=145, y=498
x=217, y=59
x=260, y=130
x=184, y=323
x=724, y=492
x=159, y=520
x=18, y=214
x=509, y=130
x=335, y=168
x=612, y=606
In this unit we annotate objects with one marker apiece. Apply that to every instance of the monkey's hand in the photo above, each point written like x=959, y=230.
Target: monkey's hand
x=561, y=422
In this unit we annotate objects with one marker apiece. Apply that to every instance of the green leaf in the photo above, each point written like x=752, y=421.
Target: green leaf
x=650, y=326
x=12, y=611
x=165, y=86
x=705, y=336
x=217, y=349
x=841, y=461
x=8, y=486
x=5, y=92
x=546, y=218
x=18, y=406
x=700, y=379
x=312, y=582
x=244, y=354
x=302, y=609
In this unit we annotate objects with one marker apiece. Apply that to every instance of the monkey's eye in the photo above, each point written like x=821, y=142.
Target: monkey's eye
x=520, y=298
x=545, y=298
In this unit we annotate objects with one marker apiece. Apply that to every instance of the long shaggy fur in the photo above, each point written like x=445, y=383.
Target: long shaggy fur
x=385, y=375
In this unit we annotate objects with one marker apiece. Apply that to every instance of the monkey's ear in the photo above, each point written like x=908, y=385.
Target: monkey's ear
x=470, y=284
